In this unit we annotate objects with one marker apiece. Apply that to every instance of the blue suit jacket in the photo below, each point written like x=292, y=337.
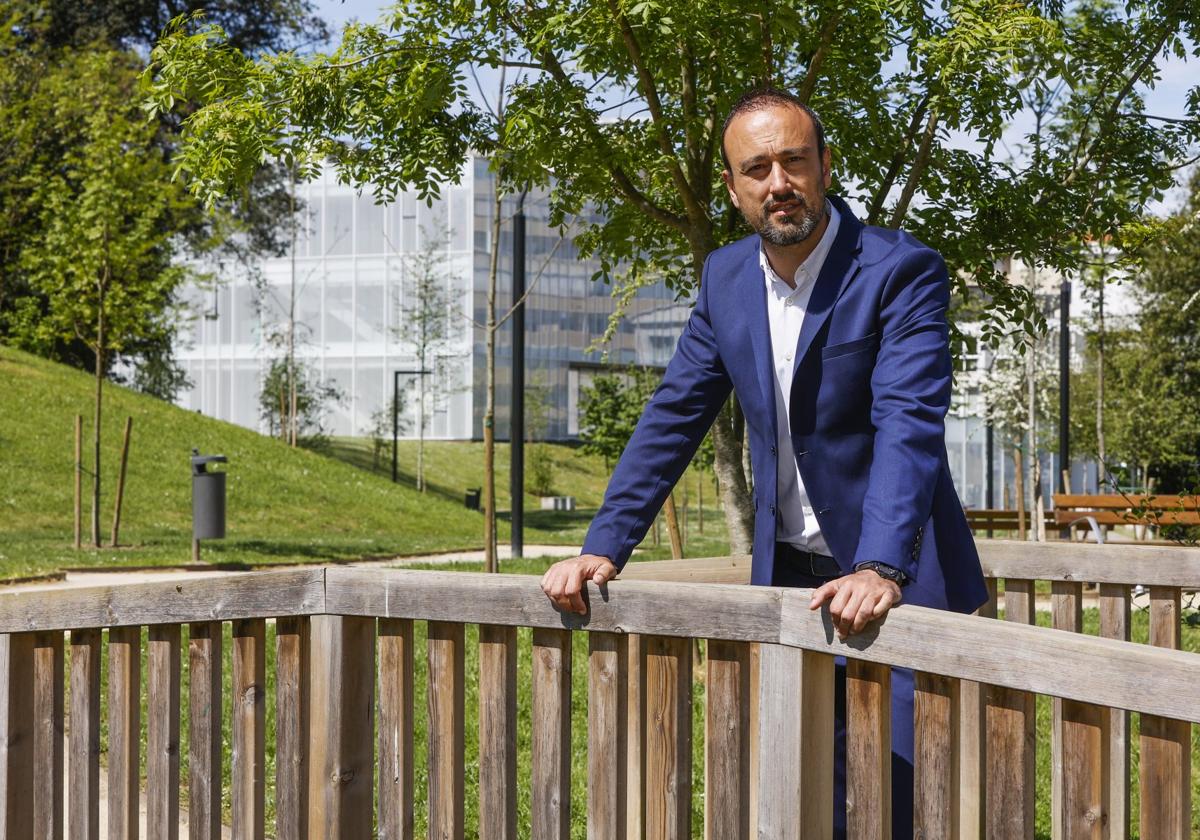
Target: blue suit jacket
x=868, y=403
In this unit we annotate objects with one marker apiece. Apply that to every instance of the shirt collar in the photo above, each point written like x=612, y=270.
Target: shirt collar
x=808, y=270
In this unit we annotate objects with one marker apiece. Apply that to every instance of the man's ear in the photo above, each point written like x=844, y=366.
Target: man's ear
x=727, y=177
x=827, y=167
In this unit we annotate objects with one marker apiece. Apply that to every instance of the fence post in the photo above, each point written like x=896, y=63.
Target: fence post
x=794, y=796
x=341, y=730
x=668, y=685
x=868, y=750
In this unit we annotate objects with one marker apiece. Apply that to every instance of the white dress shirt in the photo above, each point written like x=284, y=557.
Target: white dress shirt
x=795, y=522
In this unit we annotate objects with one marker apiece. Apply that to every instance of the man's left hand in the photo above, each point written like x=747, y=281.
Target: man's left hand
x=855, y=600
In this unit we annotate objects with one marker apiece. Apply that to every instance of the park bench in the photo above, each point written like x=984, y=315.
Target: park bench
x=347, y=641
x=997, y=519
x=1102, y=511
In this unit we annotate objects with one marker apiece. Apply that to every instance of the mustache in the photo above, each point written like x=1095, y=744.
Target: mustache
x=775, y=202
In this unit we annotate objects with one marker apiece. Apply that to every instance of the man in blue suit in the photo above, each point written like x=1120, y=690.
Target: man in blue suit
x=834, y=336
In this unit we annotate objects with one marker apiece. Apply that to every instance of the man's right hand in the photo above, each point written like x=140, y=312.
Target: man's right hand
x=564, y=581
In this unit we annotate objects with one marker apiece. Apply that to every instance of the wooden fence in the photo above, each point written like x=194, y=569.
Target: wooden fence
x=344, y=698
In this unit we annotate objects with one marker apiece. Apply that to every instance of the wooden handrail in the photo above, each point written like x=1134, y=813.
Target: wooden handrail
x=1121, y=563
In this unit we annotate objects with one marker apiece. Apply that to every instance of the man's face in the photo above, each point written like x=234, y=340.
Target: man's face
x=778, y=181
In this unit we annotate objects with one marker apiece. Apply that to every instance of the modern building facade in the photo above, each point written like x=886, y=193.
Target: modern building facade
x=351, y=282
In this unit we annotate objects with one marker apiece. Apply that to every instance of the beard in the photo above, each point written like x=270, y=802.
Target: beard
x=788, y=231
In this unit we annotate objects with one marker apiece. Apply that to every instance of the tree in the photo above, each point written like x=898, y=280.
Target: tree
x=311, y=396
x=386, y=420
x=430, y=326
x=609, y=409
x=619, y=107
x=102, y=266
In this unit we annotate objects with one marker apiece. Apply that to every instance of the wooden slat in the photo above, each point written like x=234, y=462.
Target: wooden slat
x=162, y=732
x=1114, y=624
x=551, y=736
x=291, y=727
x=124, y=730
x=204, y=730
x=83, y=783
x=219, y=597
x=497, y=732
x=608, y=694
x=668, y=737
x=341, y=726
x=633, y=656
x=727, y=741
x=972, y=732
x=48, y=735
x=446, y=746
x=1066, y=613
x=793, y=788
x=936, y=799
x=17, y=741
x=396, y=709
x=248, y=755
x=1011, y=742
x=868, y=750
x=1010, y=720
x=205, y=692
x=1165, y=777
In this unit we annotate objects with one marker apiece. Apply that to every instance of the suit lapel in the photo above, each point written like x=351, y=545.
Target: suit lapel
x=752, y=285
x=839, y=269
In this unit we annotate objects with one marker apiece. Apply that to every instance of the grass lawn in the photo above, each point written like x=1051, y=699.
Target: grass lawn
x=284, y=505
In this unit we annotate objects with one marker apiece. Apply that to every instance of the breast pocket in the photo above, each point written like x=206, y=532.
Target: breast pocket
x=834, y=351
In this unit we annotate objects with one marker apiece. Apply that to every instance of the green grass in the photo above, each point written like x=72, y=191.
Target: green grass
x=284, y=505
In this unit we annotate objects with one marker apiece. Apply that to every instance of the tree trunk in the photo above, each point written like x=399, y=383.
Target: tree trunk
x=100, y=338
x=700, y=502
x=731, y=482
x=291, y=434
x=489, y=412
x=1101, y=453
x=1019, y=488
x=421, y=432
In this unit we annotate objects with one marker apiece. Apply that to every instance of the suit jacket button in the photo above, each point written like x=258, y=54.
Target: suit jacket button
x=772, y=510
x=773, y=451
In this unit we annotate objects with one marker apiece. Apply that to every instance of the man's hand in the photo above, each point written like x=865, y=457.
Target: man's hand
x=564, y=581
x=855, y=600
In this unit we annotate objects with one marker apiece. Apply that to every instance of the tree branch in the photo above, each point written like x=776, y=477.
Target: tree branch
x=646, y=82
x=918, y=169
x=621, y=180
x=814, y=65
x=897, y=162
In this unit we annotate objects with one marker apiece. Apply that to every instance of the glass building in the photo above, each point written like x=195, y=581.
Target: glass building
x=351, y=281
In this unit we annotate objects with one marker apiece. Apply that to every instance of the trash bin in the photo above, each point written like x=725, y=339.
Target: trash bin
x=471, y=499
x=208, y=497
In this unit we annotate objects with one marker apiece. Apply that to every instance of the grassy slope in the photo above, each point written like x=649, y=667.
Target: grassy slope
x=284, y=505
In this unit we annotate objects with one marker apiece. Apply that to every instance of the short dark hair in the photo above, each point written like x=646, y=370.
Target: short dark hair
x=758, y=98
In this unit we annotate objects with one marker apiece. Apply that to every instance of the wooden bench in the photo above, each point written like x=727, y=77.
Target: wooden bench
x=1104, y=510
x=985, y=519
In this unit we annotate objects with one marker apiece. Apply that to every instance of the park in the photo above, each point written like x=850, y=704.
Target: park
x=332, y=330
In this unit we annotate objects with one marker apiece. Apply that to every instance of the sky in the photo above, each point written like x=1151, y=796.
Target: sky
x=1166, y=99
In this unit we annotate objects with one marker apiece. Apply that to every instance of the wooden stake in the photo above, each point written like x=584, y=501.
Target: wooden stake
x=116, y=525
x=78, y=481
x=673, y=528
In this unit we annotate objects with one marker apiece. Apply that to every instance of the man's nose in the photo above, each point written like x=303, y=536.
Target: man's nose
x=778, y=180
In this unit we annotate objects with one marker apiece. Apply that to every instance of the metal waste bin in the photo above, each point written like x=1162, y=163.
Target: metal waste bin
x=208, y=497
x=471, y=498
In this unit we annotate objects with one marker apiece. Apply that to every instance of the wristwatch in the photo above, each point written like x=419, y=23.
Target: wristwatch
x=884, y=571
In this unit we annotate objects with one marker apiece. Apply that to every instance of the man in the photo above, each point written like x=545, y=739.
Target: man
x=834, y=336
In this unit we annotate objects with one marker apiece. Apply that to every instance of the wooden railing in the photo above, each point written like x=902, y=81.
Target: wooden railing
x=344, y=700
